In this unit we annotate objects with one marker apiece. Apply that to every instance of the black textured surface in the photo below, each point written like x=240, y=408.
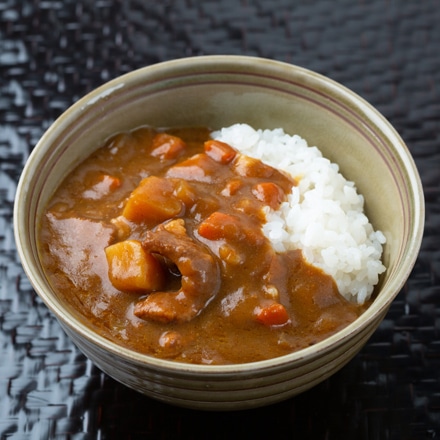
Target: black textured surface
x=53, y=52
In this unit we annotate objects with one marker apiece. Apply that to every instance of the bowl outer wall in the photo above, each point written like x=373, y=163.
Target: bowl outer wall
x=218, y=91
x=231, y=391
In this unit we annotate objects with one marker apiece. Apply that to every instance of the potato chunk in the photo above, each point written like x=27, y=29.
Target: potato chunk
x=130, y=268
x=152, y=201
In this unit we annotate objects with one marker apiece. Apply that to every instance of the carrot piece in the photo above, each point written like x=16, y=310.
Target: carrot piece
x=269, y=193
x=219, y=151
x=246, y=166
x=220, y=225
x=273, y=314
x=152, y=201
x=167, y=146
x=197, y=168
x=130, y=268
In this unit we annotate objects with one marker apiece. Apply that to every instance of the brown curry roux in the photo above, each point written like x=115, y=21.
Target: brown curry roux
x=208, y=288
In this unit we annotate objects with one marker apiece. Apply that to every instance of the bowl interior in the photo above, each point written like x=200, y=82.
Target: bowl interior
x=219, y=91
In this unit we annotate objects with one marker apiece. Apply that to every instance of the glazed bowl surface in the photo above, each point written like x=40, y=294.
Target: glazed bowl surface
x=218, y=91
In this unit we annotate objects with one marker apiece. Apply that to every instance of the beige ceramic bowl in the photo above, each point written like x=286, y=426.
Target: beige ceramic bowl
x=218, y=91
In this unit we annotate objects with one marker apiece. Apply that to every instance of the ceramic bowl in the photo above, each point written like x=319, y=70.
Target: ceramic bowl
x=218, y=91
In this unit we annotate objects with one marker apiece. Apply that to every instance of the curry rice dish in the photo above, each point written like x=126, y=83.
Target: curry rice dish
x=211, y=248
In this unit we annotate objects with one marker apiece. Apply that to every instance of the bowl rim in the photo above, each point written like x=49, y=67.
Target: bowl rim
x=379, y=306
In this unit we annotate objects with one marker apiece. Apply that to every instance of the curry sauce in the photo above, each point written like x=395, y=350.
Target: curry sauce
x=156, y=239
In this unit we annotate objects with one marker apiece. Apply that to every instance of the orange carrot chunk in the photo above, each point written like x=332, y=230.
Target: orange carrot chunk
x=251, y=167
x=130, y=268
x=198, y=168
x=273, y=314
x=167, y=146
x=220, y=226
x=219, y=151
x=231, y=228
x=269, y=193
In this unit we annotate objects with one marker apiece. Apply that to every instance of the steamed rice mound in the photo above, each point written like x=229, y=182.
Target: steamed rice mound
x=323, y=215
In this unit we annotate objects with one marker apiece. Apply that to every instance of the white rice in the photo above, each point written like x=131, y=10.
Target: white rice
x=323, y=215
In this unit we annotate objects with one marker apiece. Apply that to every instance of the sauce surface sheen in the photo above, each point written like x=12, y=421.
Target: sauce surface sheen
x=203, y=213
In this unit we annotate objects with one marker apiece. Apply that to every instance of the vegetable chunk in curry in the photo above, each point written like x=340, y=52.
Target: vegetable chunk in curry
x=156, y=239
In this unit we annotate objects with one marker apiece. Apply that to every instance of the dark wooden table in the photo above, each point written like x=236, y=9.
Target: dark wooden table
x=53, y=52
